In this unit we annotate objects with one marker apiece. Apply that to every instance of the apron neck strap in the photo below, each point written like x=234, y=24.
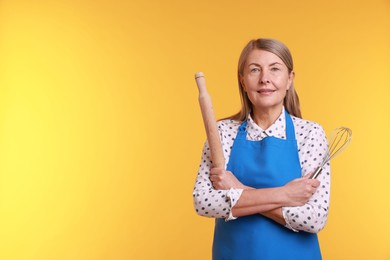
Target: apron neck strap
x=290, y=131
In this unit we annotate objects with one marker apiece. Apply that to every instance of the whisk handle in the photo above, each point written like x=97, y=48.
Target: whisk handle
x=316, y=173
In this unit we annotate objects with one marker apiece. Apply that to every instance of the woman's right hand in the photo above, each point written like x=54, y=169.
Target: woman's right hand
x=300, y=190
x=224, y=180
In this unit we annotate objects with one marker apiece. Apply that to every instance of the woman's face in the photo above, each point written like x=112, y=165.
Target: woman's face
x=265, y=80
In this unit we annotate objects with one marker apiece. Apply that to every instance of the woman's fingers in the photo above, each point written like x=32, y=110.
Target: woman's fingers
x=216, y=177
x=301, y=190
x=217, y=171
x=223, y=180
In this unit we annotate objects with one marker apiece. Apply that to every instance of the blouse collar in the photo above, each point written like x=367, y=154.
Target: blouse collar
x=277, y=129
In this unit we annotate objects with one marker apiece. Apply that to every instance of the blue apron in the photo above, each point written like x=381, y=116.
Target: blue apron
x=271, y=162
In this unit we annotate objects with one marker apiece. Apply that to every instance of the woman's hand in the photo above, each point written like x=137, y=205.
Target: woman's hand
x=224, y=180
x=300, y=190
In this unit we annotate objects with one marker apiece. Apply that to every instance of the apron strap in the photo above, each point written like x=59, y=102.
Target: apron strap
x=242, y=131
x=290, y=131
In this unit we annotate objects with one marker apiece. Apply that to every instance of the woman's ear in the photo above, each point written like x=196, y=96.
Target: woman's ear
x=242, y=83
x=291, y=77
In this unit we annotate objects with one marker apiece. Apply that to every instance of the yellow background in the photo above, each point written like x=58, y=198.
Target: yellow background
x=101, y=133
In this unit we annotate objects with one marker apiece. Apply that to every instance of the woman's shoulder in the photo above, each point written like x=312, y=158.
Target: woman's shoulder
x=304, y=125
x=228, y=124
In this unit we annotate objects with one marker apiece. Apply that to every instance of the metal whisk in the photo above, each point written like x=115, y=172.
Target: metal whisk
x=338, y=140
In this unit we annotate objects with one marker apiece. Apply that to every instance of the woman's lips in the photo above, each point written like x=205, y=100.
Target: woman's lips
x=265, y=91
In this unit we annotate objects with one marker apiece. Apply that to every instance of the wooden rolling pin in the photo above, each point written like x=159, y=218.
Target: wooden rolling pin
x=210, y=124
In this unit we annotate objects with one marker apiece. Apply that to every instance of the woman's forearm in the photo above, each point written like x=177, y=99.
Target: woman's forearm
x=276, y=215
x=254, y=201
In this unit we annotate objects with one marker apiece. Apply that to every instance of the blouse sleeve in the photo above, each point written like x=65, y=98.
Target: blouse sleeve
x=208, y=201
x=312, y=216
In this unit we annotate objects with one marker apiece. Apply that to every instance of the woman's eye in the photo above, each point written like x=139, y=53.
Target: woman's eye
x=255, y=70
x=275, y=69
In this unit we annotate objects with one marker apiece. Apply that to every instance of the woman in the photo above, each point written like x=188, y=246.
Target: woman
x=265, y=204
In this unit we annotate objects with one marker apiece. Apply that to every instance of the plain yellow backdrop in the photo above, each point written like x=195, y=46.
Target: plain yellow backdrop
x=101, y=133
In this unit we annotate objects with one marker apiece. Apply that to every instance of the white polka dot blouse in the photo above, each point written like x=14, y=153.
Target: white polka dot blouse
x=312, y=147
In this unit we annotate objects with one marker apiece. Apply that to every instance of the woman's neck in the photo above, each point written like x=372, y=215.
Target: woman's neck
x=265, y=117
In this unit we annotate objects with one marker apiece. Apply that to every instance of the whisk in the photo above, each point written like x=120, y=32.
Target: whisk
x=338, y=140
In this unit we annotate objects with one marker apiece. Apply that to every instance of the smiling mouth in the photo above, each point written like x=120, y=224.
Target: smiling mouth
x=265, y=91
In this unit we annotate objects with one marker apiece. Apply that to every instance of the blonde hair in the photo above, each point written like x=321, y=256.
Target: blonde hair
x=291, y=100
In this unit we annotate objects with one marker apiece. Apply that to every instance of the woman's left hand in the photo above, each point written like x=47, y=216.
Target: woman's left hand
x=224, y=180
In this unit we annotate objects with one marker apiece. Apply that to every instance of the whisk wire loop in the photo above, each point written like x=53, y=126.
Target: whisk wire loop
x=338, y=140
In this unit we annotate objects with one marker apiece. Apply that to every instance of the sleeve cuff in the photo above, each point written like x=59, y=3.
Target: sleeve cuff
x=286, y=219
x=233, y=195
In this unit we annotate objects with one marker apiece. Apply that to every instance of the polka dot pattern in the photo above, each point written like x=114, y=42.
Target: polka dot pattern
x=312, y=147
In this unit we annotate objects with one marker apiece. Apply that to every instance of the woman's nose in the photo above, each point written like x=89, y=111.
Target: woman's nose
x=264, y=78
